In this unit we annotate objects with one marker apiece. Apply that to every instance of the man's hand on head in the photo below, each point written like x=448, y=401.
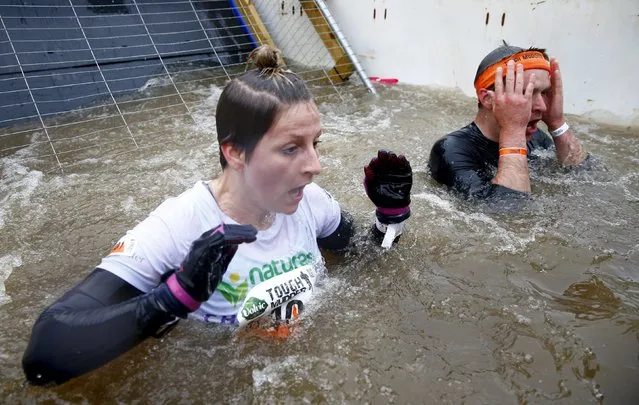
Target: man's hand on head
x=553, y=117
x=512, y=104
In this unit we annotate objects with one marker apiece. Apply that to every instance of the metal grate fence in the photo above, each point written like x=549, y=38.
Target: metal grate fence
x=88, y=79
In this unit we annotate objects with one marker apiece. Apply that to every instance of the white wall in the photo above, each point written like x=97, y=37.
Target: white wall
x=438, y=42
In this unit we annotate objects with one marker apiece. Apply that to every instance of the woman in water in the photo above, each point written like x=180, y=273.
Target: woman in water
x=200, y=253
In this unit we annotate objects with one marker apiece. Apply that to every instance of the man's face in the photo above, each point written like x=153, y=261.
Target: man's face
x=539, y=98
x=285, y=160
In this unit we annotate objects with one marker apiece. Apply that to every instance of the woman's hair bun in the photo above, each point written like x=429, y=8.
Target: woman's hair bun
x=266, y=57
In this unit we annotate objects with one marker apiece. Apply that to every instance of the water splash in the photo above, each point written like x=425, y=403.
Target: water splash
x=7, y=264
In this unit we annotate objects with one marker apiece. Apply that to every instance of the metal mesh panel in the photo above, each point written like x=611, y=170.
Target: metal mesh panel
x=89, y=79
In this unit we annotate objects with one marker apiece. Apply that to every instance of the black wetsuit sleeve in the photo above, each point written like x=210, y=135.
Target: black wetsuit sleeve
x=347, y=240
x=341, y=238
x=470, y=185
x=99, y=319
x=458, y=168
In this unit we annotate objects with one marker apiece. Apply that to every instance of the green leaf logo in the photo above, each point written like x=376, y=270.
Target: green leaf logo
x=234, y=295
x=242, y=290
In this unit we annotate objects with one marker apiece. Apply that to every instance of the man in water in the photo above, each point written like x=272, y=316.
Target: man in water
x=488, y=158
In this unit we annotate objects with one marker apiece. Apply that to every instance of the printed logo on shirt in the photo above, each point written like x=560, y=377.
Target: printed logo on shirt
x=277, y=267
x=222, y=319
x=124, y=247
x=234, y=294
x=288, y=290
x=253, y=308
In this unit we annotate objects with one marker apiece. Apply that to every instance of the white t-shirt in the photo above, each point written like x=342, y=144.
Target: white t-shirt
x=161, y=242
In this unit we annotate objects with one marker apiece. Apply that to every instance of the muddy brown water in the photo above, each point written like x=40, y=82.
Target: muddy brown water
x=471, y=307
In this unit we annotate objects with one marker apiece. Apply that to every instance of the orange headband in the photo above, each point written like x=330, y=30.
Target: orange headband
x=530, y=60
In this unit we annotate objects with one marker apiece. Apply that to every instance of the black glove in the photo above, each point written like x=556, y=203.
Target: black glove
x=202, y=269
x=388, y=179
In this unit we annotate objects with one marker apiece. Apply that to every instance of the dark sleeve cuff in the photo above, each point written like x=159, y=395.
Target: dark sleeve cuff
x=340, y=239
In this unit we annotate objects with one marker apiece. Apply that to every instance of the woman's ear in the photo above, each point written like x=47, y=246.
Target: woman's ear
x=235, y=157
x=486, y=98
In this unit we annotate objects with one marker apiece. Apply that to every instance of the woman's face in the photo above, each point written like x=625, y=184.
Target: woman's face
x=285, y=160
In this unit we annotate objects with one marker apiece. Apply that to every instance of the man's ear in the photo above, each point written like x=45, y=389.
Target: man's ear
x=486, y=98
x=235, y=157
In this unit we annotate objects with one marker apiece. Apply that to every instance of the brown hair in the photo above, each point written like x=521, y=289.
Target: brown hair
x=250, y=103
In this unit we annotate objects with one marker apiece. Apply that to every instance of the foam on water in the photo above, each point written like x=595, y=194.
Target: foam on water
x=373, y=119
x=507, y=240
x=628, y=181
x=309, y=379
x=18, y=184
x=7, y=264
x=129, y=206
x=204, y=113
x=156, y=82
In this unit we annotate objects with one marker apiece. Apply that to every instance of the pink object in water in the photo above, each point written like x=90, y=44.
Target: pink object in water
x=385, y=80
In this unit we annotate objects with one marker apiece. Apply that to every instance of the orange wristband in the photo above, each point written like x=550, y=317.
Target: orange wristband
x=513, y=151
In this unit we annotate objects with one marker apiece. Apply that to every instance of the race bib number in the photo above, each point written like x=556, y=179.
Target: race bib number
x=283, y=296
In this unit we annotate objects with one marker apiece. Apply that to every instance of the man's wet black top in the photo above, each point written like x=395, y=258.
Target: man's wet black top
x=466, y=162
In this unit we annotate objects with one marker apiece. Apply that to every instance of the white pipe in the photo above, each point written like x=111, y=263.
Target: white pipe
x=340, y=38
